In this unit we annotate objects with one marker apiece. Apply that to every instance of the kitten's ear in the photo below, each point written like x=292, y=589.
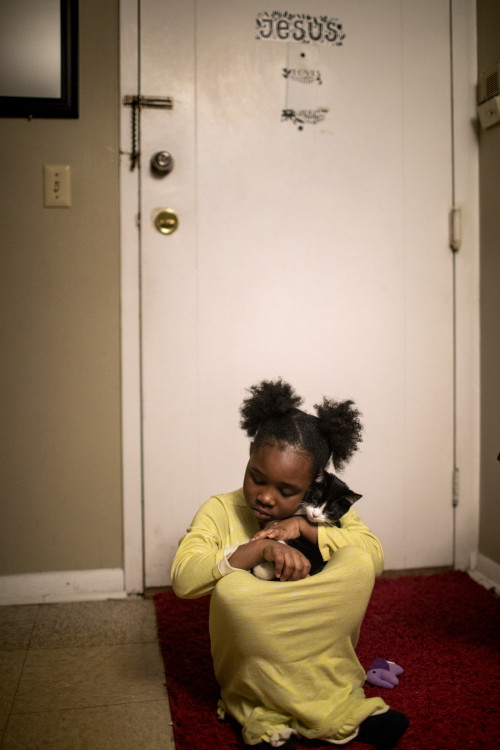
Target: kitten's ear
x=352, y=497
x=316, y=488
x=320, y=477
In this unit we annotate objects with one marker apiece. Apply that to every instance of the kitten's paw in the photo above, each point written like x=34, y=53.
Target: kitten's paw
x=264, y=571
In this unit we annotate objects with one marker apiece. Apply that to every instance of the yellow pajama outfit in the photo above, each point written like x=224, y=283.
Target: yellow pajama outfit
x=283, y=652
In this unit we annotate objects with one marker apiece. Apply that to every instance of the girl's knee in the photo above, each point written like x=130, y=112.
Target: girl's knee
x=232, y=596
x=353, y=563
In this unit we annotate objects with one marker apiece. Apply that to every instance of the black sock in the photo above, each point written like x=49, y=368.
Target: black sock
x=383, y=730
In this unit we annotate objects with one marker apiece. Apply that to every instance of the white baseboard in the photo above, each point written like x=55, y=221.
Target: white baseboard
x=485, y=571
x=64, y=586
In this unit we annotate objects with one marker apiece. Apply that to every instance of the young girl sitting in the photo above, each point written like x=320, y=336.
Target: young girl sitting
x=284, y=650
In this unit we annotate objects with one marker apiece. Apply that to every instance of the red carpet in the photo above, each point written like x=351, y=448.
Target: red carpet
x=444, y=630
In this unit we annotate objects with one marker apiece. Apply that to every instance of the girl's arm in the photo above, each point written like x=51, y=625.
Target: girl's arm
x=329, y=538
x=352, y=532
x=195, y=569
x=289, y=563
x=289, y=528
x=201, y=561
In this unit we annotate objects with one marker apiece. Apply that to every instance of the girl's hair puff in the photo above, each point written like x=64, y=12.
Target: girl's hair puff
x=339, y=422
x=270, y=415
x=269, y=400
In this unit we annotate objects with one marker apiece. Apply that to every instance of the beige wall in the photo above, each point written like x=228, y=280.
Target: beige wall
x=488, y=19
x=60, y=484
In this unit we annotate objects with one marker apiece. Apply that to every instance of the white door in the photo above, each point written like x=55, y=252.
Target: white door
x=312, y=181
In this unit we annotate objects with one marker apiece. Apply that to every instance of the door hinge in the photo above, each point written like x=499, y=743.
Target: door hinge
x=455, y=229
x=455, y=488
x=163, y=102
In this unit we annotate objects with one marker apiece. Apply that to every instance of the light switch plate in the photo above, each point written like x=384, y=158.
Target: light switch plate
x=57, y=185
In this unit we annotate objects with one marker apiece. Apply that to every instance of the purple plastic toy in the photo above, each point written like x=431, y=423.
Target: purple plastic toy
x=383, y=673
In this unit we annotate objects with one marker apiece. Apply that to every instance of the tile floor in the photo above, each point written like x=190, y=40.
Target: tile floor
x=82, y=676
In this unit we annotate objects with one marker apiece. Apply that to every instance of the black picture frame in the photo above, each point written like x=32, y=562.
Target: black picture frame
x=67, y=104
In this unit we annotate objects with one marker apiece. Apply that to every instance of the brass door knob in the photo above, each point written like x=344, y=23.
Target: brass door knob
x=166, y=221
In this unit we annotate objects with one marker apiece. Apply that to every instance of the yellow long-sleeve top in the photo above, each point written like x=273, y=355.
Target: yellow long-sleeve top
x=283, y=652
x=225, y=521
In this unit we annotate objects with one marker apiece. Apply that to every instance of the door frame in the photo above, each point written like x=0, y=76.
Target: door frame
x=466, y=286
x=130, y=282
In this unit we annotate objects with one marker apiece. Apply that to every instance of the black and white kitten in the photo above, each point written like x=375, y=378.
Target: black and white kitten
x=326, y=501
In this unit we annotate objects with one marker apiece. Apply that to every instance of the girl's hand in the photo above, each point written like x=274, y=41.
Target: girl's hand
x=289, y=563
x=288, y=528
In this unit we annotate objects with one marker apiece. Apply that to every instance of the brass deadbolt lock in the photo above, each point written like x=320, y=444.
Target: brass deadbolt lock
x=166, y=221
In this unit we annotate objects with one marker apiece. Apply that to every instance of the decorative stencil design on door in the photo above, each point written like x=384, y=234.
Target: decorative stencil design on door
x=282, y=26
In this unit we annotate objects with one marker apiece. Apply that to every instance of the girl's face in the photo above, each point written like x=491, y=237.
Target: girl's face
x=275, y=482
